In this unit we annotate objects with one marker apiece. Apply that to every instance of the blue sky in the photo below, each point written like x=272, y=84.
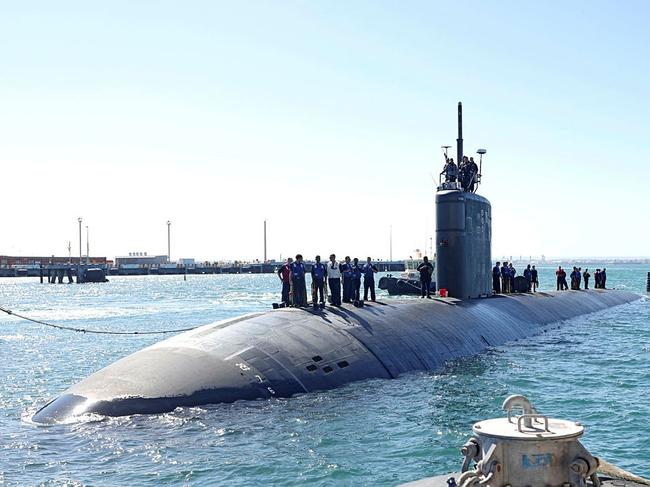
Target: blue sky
x=326, y=118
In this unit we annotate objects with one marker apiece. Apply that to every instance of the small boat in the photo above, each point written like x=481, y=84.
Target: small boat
x=94, y=274
x=408, y=281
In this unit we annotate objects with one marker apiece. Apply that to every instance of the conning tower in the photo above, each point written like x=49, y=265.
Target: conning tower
x=463, y=232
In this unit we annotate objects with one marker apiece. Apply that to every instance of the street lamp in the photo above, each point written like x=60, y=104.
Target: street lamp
x=79, y=220
x=87, y=247
x=79, y=278
x=169, y=253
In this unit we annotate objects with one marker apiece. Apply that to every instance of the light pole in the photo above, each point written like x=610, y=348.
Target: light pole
x=169, y=252
x=87, y=247
x=391, y=243
x=264, y=241
x=79, y=264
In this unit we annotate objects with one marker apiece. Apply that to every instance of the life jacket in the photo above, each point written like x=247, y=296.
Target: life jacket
x=318, y=270
x=356, y=271
x=369, y=271
x=298, y=269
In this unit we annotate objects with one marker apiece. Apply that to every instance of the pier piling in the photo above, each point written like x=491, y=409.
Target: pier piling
x=647, y=286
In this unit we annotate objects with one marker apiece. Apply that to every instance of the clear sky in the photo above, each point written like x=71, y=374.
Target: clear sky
x=326, y=118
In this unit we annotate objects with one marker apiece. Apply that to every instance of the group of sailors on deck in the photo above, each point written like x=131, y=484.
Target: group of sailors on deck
x=336, y=276
x=578, y=276
x=503, y=278
x=466, y=173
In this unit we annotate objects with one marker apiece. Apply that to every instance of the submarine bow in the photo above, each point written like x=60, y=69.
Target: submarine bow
x=289, y=351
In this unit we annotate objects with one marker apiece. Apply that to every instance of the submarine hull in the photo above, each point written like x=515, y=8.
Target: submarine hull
x=289, y=351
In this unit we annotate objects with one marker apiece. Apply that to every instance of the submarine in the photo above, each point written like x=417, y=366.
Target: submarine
x=290, y=351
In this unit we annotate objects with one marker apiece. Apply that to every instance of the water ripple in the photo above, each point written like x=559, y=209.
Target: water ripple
x=375, y=432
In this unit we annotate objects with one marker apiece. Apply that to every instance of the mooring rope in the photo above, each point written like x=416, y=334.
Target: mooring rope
x=98, y=332
x=618, y=473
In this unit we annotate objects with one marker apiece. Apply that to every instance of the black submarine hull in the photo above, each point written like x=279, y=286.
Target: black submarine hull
x=289, y=351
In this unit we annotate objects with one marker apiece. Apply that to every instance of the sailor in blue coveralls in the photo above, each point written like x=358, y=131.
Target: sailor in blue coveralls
x=528, y=275
x=505, y=278
x=356, y=279
x=298, y=281
x=425, y=269
x=369, y=270
x=318, y=274
x=496, y=278
x=346, y=271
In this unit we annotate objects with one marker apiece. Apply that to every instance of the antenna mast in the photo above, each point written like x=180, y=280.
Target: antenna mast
x=459, y=140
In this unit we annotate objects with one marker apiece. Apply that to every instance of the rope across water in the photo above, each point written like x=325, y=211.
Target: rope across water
x=97, y=332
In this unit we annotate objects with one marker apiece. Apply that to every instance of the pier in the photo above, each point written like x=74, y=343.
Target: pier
x=55, y=269
x=227, y=268
x=58, y=270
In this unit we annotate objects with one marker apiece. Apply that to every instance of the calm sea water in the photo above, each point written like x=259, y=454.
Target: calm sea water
x=595, y=369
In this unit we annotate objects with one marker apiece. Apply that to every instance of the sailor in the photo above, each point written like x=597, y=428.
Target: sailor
x=462, y=172
x=512, y=272
x=298, y=282
x=346, y=271
x=505, y=280
x=472, y=174
x=575, y=279
x=603, y=278
x=425, y=269
x=564, y=285
x=586, y=276
x=357, y=270
x=318, y=274
x=533, y=278
x=450, y=170
x=528, y=276
x=579, y=278
x=334, y=280
x=496, y=278
x=369, y=270
x=284, y=273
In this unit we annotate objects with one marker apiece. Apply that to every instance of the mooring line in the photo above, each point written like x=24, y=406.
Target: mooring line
x=98, y=332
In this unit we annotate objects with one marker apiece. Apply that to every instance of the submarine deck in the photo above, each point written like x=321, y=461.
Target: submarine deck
x=290, y=350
